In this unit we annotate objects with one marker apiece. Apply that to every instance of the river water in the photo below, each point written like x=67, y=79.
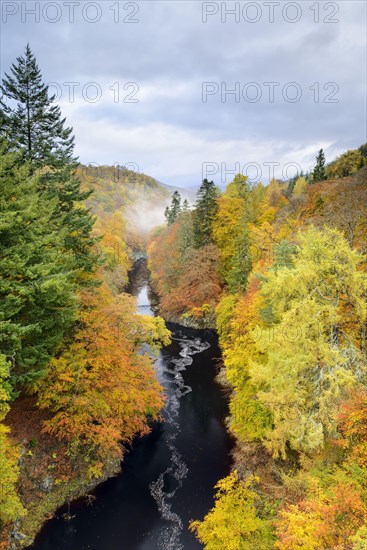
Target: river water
x=167, y=477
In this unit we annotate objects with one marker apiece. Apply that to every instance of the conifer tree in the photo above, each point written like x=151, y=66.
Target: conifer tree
x=241, y=262
x=185, y=206
x=171, y=213
x=292, y=182
x=31, y=122
x=34, y=127
x=319, y=172
x=38, y=275
x=231, y=235
x=363, y=150
x=205, y=210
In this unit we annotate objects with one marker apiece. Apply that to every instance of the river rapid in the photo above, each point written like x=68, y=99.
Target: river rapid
x=167, y=477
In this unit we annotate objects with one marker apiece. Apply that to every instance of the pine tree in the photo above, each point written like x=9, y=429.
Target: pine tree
x=363, y=150
x=319, y=172
x=35, y=128
x=31, y=123
x=291, y=184
x=205, y=210
x=62, y=188
x=171, y=213
x=38, y=275
x=241, y=262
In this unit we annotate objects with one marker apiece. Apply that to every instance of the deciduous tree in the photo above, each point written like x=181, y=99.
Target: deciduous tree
x=103, y=387
x=233, y=523
x=10, y=505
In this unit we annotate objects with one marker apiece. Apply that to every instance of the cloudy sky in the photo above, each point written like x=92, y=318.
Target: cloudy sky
x=186, y=89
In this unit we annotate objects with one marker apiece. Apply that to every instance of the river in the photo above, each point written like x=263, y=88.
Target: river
x=167, y=477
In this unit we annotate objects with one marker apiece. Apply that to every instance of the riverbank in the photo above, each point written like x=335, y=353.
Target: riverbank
x=48, y=476
x=48, y=479
x=167, y=477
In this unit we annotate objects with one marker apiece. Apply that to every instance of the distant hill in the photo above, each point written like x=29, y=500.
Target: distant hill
x=188, y=193
x=140, y=198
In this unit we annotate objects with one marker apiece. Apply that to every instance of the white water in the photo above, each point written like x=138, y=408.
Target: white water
x=149, y=505
x=143, y=302
x=169, y=538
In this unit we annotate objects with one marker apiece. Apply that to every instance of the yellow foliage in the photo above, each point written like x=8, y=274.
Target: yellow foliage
x=10, y=505
x=233, y=523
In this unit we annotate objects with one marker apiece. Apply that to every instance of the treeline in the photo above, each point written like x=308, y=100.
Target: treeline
x=200, y=250
x=346, y=164
x=69, y=336
x=281, y=274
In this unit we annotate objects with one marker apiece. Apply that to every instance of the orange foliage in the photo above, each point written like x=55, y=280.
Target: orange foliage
x=338, y=203
x=164, y=260
x=111, y=230
x=353, y=426
x=186, y=279
x=199, y=285
x=101, y=389
x=324, y=522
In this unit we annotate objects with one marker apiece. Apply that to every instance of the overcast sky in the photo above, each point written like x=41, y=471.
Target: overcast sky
x=149, y=81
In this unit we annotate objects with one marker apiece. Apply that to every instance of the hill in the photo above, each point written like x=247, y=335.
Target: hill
x=140, y=198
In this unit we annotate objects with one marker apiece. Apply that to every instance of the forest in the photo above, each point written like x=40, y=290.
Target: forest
x=280, y=272
x=75, y=387
x=277, y=270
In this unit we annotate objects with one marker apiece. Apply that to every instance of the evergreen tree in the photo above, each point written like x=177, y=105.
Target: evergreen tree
x=363, y=150
x=167, y=215
x=30, y=121
x=38, y=275
x=319, y=173
x=185, y=235
x=185, y=206
x=241, y=262
x=205, y=210
x=171, y=213
x=62, y=188
x=35, y=128
x=291, y=184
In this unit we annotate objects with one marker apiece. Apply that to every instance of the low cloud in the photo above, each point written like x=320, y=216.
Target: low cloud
x=170, y=52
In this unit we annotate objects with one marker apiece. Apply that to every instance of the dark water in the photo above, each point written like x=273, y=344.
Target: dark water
x=168, y=476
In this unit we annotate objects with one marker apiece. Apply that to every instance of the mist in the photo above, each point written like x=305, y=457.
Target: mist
x=143, y=216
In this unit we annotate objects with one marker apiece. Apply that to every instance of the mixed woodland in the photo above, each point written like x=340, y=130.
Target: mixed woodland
x=278, y=270
x=75, y=386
